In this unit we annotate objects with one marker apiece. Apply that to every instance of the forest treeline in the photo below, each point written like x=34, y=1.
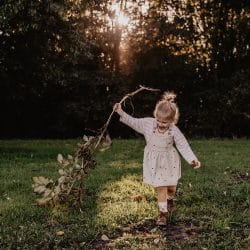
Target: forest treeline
x=64, y=63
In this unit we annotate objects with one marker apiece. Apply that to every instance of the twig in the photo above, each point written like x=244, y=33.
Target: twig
x=122, y=100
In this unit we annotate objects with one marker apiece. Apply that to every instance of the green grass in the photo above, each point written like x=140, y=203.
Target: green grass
x=212, y=203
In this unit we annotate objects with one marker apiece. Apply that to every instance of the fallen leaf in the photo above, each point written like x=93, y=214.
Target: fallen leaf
x=60, y=233
x=105, y=237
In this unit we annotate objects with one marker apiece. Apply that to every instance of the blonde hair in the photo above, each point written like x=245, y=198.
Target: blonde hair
x=167, y=107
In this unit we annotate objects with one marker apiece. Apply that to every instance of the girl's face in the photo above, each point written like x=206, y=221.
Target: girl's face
x=162, y=122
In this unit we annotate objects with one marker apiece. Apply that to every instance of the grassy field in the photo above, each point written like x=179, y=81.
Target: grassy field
x=212, y=203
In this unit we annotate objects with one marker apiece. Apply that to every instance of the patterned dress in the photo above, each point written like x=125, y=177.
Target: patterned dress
x=161, y=161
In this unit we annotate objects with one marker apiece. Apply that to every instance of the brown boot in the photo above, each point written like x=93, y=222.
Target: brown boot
x=171, y=206
x=162, y=219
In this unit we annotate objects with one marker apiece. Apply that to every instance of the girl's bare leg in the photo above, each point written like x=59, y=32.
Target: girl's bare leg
x=171, y=190
x=162, y=193
x=162, y=203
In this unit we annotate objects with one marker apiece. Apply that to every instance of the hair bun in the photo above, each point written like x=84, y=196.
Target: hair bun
x=169, y=96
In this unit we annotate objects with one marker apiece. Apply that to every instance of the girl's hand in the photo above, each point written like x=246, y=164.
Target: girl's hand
x=196, y=164
x=118, y=109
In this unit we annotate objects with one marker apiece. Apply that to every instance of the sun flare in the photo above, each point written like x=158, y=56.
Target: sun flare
x=120, y=17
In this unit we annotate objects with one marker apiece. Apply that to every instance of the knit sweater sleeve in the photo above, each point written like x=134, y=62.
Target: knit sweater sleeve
x=138, y=124
x=183, y=146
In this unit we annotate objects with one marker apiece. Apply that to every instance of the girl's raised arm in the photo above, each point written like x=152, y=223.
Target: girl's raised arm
x=138, y=124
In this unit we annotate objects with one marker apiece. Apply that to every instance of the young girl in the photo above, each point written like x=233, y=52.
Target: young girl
x=161, y=163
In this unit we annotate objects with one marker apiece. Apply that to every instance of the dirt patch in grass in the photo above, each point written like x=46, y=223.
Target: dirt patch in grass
x=240, y=177
x=172, y=231
x=148, y=233
x=182, y=231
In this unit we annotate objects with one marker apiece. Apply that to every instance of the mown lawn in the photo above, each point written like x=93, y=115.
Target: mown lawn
x=119, y=211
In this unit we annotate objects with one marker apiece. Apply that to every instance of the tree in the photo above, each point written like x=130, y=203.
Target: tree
x=42, y=56
x=63, y=62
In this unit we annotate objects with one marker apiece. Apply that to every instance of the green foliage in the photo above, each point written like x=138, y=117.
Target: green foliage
x=222, y=109
x=64, y=63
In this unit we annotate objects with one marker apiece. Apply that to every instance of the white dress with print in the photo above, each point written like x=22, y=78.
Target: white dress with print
x=161, y=161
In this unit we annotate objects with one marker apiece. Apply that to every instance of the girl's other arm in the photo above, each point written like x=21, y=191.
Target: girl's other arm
x=183, y=146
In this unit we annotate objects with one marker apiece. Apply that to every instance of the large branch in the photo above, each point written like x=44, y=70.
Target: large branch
x=104, y=129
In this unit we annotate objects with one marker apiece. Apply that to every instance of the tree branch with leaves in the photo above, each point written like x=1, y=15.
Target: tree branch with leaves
x=68, y=189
